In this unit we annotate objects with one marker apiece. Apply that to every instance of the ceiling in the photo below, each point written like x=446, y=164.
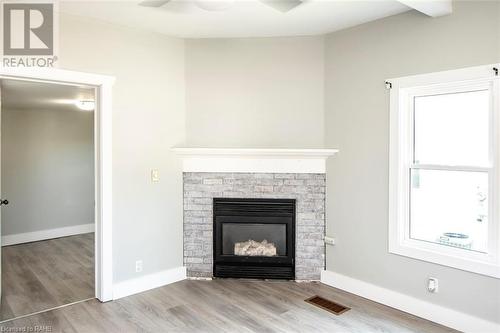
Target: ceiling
x=245, y=18
x=18, y=94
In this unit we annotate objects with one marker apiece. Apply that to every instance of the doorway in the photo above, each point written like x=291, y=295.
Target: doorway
x=102, y=86
x=48, y=192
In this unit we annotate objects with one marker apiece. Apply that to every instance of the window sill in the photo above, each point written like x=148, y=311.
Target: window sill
x=466, y=260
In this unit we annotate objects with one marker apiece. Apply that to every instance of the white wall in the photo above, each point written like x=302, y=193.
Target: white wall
x=47, y=169
x=255, y=92
x=148, y=119
x=358, y=60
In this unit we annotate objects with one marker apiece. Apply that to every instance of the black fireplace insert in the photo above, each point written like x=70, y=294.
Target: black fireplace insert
x=254, y=238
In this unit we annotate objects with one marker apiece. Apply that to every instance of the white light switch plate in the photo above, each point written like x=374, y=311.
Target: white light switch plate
x=155, y=176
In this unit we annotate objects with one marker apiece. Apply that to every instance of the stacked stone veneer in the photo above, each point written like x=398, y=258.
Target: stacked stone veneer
x=308, y=189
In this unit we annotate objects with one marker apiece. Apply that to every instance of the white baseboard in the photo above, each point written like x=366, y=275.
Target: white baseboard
x=436, y=313
x=47, y=234
x=147, y=282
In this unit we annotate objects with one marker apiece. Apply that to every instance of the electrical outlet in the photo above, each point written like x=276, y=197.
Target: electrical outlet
x=155, y=176
x=138, y=266
x=433, y=285
x=329, y=240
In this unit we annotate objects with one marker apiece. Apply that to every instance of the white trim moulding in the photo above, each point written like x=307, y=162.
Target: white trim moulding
x=148, y=282
x=254, y=160
x=40, y=235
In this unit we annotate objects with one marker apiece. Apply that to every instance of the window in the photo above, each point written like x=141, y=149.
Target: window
x=444, y=200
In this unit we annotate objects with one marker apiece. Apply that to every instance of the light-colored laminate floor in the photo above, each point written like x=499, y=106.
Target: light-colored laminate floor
x=227, y=306
x=43, y=275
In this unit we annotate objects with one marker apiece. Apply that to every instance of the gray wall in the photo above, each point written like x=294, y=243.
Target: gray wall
x=148, y=119
x=255, y=92
x=276, y=75
x=47, y=169
x=358, y=60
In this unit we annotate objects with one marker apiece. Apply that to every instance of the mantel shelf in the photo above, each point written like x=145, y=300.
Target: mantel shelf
x=258, y=160
x=256, y=152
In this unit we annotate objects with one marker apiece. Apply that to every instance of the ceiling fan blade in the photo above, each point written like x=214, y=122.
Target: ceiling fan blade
x=153, y=3
x=282, y=5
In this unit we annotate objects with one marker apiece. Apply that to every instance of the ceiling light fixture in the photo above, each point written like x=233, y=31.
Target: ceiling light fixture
x=85, y=105
x=214, y=5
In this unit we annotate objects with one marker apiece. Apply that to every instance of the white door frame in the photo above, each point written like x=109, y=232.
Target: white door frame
x=103, y=165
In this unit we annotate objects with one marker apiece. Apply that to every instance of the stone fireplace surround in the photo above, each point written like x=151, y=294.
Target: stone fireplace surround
x=308, y=189
x=230, y=173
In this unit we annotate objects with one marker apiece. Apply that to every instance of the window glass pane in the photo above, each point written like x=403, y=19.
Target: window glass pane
x=450, y=208
x=452, y=129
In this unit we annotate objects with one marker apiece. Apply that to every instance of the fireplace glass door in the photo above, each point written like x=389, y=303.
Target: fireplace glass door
x=254, y=239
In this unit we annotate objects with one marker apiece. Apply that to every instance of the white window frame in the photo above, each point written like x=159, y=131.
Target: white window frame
x=402, y=93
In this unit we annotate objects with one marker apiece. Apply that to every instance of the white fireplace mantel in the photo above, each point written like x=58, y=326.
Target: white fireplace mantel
x=256, y=160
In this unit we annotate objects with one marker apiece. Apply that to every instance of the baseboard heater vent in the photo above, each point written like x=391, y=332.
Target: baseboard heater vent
x=327, y=305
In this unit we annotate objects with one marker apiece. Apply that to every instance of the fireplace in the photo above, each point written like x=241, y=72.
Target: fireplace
x=254, y=238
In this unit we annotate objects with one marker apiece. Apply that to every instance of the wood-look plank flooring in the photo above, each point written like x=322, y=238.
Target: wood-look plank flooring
x=228, y=306
x=43, y=275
